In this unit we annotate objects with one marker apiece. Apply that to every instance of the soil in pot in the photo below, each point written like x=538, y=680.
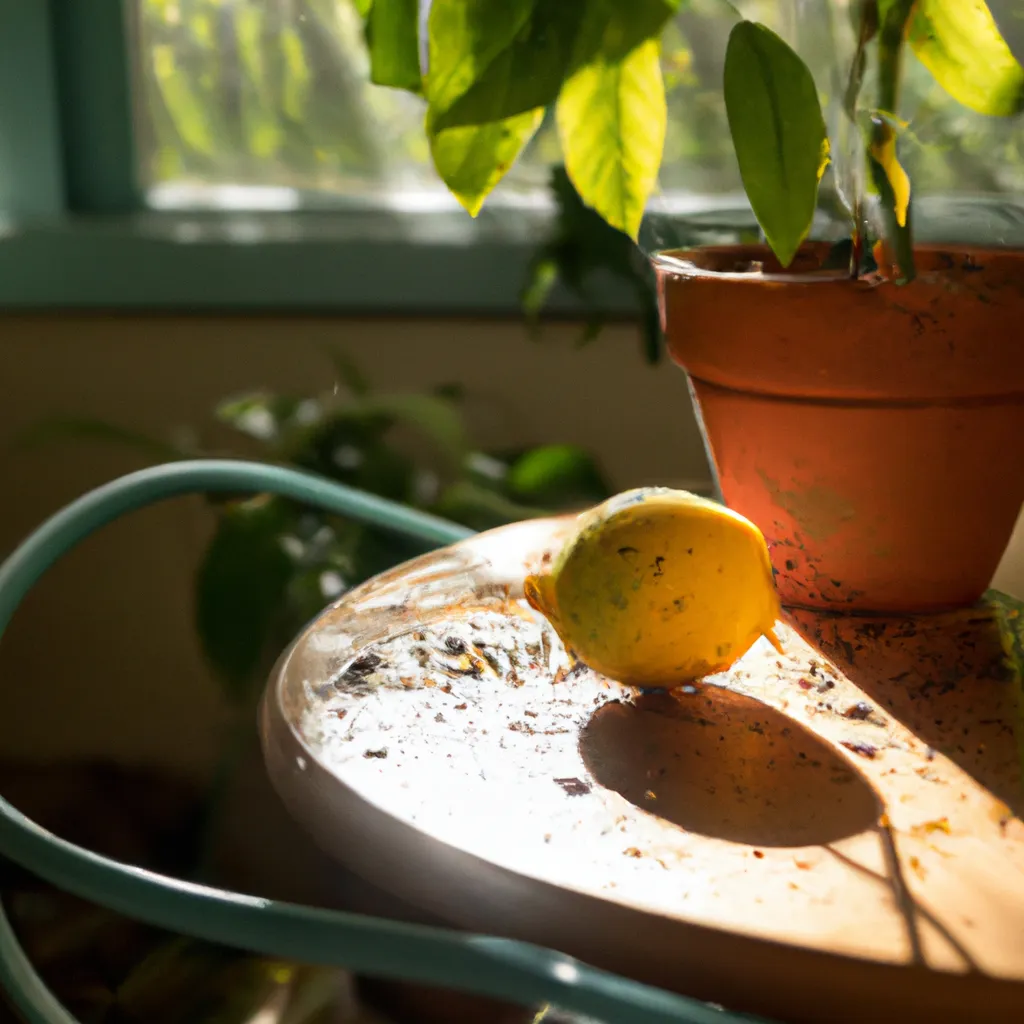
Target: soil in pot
x=873, y=431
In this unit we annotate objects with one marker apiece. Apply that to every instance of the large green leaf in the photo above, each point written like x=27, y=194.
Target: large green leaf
x=960, y=44
x=481, y=508
x=263, y=416
x=187, y=980
x=368, y=417
x=240, y=590
x=611, y=122
x=778, y=132
x=354, y=453
x=556, y=476
x=493, y=59
x=471, y=160
x=183, y=977
x=392, y=33
x=434, y=417
x=613, y=28
x=349, y=373
x=83, y=428
x=582, y=245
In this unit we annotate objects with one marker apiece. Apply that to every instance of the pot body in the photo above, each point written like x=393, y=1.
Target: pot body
x=873, y=431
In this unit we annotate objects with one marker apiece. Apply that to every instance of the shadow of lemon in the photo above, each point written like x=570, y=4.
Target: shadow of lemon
x=724, y=765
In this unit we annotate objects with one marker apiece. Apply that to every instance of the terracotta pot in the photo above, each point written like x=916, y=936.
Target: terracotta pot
x=874, y=432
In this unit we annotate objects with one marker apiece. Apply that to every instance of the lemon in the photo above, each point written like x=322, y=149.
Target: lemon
x=659, y=587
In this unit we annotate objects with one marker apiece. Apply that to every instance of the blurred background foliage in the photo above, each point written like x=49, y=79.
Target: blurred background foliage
x=272, y=564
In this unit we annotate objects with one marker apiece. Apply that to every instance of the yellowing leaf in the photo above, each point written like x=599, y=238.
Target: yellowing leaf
x=960, y=44
x=884, y=151
x=826, y=157
x=611, y=123
x=778, y=132
x=472, y=159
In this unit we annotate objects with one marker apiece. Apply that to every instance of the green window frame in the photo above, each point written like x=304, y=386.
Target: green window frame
x=75, y=233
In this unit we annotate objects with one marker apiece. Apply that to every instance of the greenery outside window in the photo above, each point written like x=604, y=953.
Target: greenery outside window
x=233, y=154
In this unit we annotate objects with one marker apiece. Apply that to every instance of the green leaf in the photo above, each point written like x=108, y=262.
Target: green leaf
x=86, y=429
x=614, y=28
x=376, y=551
x=598, y=245
x=264, y=417
x=583, y=244
x=392, y=33
x=611, y=123
x=451, y=391
x=493, y=59
x=240, y=590
x=345, y=451
x=188, y=980
x=650, y=325
x=363, y=7
x=778, y=132
x=349, y=441
x=556, y=476
x=472, y=160
x=349, y=373
x=170, y=978
x=961, y=45
x=481, y=508
x=314, y=996
x=541, y=276
x=433, y=416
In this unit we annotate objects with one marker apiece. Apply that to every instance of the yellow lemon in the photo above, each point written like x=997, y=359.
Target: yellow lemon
x=659, y=587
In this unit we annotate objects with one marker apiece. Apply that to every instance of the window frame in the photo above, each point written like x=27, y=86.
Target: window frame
x=76, y=234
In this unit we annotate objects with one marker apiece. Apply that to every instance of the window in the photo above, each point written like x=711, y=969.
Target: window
x=239, y=96
x=232, y=153
x=271, y=97
x=275, y=94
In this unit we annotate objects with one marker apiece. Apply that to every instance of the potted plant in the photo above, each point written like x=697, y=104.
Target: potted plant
x=861, y=397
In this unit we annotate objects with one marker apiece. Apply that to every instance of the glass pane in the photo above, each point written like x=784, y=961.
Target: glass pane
x=966, y=169
x=276, y=94
x=268, y=103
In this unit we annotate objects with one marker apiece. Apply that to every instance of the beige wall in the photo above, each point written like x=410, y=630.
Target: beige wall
x=102, y=659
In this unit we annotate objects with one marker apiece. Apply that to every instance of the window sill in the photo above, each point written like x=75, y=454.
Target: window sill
x=368, y=260
x=356, y=262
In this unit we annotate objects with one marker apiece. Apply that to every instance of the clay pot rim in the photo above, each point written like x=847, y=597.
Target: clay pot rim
x=723, y=263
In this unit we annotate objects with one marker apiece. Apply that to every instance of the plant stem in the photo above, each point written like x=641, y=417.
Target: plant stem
x=866, y=31
x=880, y=135
x=891, y=32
